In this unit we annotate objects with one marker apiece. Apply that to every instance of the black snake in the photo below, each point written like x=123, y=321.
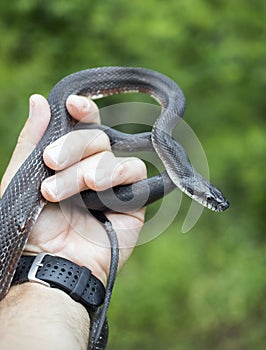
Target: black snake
x=22, y=202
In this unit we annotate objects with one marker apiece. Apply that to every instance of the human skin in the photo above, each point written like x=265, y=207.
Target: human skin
x=34, y=316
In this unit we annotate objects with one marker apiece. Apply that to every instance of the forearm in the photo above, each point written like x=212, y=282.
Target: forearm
x=33, y=316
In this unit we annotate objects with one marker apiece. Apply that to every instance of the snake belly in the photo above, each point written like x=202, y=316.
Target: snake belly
x=22, y=201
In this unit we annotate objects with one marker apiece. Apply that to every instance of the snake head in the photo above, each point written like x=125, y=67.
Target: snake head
x=215, y=200
x=206, y=194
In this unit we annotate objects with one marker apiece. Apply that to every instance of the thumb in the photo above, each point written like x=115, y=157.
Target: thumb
x=31, y=134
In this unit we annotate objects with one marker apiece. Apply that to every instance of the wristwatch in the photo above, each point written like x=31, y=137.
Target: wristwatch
x=56, y=272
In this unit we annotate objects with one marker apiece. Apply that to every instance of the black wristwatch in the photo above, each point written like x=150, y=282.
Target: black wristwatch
x=56, y=272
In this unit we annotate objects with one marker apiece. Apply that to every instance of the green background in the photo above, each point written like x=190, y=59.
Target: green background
x=205, y=289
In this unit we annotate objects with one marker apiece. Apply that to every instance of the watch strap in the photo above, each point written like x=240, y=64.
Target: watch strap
x=57, y=272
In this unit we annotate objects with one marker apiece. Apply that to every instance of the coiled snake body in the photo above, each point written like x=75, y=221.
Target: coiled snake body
x=22, y=202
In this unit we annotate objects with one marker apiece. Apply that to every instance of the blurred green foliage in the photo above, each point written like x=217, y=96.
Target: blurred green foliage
x=205, y=289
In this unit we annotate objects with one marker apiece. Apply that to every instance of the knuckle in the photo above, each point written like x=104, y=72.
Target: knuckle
x=103, y=139
x=131, y=165
x=93, y=139
x=121, y=169
x=140, y=166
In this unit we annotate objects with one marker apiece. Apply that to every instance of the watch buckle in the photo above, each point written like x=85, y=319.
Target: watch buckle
x=37, y=262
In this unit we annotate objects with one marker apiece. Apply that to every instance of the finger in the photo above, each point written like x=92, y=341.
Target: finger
x=83, y=109
x=74, y=146
x=32, y=132
x=98, y=172
x=112, y=171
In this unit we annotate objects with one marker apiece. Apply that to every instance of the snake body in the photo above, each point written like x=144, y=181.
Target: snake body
x=22, y=202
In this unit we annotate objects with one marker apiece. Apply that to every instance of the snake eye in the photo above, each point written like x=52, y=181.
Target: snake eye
x=190, y=191
x=209, y=199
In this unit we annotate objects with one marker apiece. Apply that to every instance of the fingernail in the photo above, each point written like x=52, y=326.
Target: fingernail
x=54, y=154
x=79, y=102
x=49, y=186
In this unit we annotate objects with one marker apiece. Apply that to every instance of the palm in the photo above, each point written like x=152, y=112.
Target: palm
x=65, y=229
x=73, y=233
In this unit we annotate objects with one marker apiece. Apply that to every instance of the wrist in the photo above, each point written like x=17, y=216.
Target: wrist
x=64, y=323
x=57, y=272
x=92, y=263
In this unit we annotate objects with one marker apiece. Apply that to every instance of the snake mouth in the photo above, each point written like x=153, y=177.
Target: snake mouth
x=218, y=207
x=224, y=206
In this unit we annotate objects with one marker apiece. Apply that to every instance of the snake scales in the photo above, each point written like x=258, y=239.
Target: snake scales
x=22, y=202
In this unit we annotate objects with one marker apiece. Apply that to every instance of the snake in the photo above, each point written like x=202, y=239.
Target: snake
x=22, y=202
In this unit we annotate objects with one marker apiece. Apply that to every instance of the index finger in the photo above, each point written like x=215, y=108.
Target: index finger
x=83, y=109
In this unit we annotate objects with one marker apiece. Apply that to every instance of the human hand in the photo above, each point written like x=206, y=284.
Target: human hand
x=64, y=230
